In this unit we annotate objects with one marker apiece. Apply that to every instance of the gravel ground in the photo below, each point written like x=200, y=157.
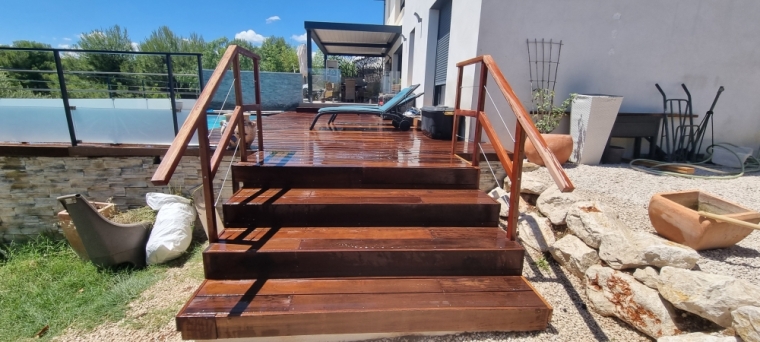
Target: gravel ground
x=624, y=190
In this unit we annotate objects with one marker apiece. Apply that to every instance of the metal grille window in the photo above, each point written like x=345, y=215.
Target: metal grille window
x=442, y=46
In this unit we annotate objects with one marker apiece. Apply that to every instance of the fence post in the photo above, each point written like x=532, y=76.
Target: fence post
x=516, y=178
x=481, y=108
x=200, y=75
x=171, y=92
x=65, y=97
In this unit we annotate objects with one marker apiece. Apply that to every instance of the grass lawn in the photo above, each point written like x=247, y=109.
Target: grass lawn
x=44, y=283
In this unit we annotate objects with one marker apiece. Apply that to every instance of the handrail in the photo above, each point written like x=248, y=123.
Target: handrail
x=196, y=123
x=523, y=129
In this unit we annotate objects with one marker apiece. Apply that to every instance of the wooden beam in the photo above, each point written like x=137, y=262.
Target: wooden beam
x=466, y=112
x=516, y=178
x=523, y=118
x=240, y=120
x=470, y=61
x=457, y=105
x=257, y=84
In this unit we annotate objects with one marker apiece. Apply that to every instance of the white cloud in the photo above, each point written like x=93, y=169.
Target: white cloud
x=64, y=46
x=67, y=39
x=299, y=38
x=272, y=19
x=250, y=36
x=135, y=46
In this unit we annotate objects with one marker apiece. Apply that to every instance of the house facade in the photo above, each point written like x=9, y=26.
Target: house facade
x=614, y=47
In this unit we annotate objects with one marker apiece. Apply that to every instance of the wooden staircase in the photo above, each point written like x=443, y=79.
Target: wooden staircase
x=373, y=253
x=357, y=228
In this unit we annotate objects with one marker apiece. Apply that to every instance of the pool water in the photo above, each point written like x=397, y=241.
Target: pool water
x=215, y=121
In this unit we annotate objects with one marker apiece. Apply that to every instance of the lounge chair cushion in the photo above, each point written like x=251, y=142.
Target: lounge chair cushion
x=352, y=109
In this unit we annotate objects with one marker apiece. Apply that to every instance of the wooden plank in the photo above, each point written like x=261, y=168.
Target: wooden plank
x=660, y=166
x=457, y=106
x=473, y=60
x=247, y=53
x=501, y=152
x=466, y=112
x=402, y=321
x=257, y=85
x=361, y=285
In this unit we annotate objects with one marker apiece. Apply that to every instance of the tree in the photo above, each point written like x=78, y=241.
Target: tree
x=12, y=89
x=277, y=55
x=111, y=39
x=30, y=62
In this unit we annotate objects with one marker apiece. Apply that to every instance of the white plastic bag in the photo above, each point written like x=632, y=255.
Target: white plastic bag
x=172, y=232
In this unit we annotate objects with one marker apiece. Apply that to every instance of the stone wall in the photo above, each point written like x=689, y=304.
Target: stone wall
x=279, y=90
x=29, y=186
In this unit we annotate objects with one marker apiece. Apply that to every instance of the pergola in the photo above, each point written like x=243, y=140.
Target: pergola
x=341, y=39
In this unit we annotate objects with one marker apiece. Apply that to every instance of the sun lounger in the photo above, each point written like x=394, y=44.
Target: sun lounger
x=387, y=109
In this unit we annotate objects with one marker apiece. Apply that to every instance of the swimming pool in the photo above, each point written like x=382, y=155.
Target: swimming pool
x=215, y=120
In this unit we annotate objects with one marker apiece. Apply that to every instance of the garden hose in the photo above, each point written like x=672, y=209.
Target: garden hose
x=752, y=164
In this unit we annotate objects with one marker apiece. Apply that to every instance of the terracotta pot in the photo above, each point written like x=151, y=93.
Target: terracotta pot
x=560, y=144
x=108, y=210
x=674, y=216
x=250, y=132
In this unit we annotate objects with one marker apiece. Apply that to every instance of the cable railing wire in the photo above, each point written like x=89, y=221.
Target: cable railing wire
x=499, y=112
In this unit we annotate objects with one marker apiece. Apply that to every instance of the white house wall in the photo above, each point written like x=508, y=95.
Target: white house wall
x=465, y=19
x=624, y=47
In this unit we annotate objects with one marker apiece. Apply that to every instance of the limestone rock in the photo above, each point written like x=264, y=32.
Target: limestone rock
x=501, y=196
x=697, y=337
x=589, y=221
x=747, y=323
x=647, y=276
x=623, y=250
x=535, y=231
x=531, y=183
x=555, y=204
x=614, y=293
x=710, y=296
x=573, y=254
x=530, y=167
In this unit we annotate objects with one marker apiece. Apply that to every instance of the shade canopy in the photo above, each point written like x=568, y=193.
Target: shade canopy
x=343, y=39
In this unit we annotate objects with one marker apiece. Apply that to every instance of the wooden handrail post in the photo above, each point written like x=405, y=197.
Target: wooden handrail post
x=257, y=82
x=208, y=181
x=239, y=103
x=457, y=105
x=481, y=107
x=516, y=177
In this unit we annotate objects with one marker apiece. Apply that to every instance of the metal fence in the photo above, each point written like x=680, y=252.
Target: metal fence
x=69, y=83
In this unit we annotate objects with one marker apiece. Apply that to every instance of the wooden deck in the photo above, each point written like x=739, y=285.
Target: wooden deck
x=358, y=228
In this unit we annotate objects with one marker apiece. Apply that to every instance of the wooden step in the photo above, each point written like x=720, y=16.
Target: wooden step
x=346, y=252
x=298, y=307
x=419, y=176
x=360, y=207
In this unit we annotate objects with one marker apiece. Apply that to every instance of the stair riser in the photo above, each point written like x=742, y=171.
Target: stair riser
x=362, y=215
x=407, y=321
x=355, y=177
x=253, y=265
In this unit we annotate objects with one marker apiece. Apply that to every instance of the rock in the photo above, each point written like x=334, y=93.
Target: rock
x=573, y=254
x=535, y=231
x=623, y=250
x=589, y=221
x=501, y=196
x=647, y=276
x=530, y=167
x=710, y=296
x=697, y=337
x=747, y=323
x=487, y=172
x=555, y=204
x=531, y=183
x=614, y=293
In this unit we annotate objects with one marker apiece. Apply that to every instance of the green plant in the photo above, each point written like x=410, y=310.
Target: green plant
x=546, y=115
x=543, y=264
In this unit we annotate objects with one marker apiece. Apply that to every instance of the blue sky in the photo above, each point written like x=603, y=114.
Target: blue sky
x=59, y=22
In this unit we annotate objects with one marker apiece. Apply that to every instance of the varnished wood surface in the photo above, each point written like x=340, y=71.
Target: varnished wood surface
x=360, y=207
x=364, y=140
x=377, y=177
x=292, y=307
x=344, y=251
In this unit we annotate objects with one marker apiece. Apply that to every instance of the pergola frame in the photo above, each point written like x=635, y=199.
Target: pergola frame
x=330, y=37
